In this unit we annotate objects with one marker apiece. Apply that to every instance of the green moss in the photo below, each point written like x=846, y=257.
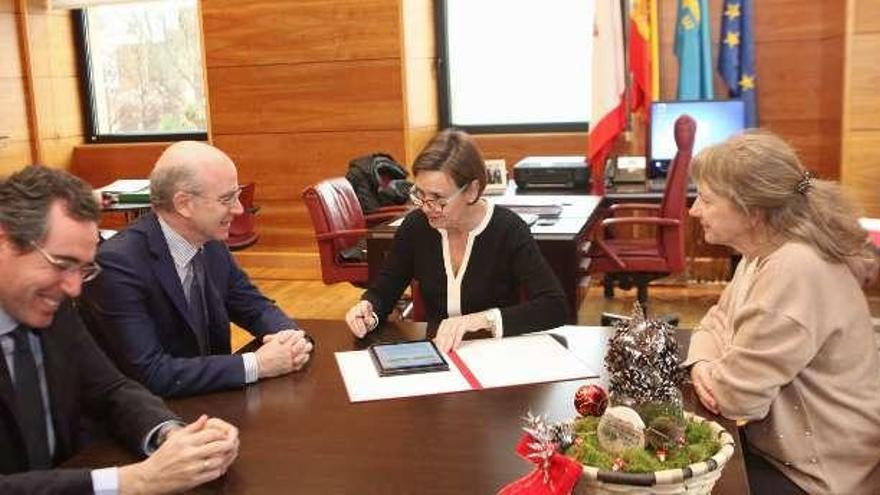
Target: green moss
x=701, y=444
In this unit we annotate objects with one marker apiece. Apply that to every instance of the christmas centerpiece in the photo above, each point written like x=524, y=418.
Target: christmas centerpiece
x=637, y=437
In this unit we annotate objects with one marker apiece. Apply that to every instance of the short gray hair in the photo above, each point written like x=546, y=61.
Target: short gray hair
x=165, y=182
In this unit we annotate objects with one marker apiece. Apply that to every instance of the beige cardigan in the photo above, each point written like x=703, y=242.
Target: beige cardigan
x=791, y=349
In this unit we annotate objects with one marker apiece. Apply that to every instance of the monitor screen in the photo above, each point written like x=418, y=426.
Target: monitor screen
x=716, y=121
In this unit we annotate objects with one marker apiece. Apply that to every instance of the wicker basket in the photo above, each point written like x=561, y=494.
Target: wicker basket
x=695, y=478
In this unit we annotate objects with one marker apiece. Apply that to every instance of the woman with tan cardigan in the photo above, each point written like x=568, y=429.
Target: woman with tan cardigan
x=789, y=350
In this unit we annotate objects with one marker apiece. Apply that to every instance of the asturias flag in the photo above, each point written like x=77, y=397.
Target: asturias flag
x=693, y=50
x=736, y=56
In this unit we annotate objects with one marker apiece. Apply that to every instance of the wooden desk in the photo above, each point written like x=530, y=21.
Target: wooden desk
x=559, y=239
x=299, y=433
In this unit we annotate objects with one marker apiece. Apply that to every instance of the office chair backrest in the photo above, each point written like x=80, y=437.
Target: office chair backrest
x=339, y=224
x=674, y=203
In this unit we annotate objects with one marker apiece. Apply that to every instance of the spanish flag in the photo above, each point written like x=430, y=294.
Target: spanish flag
x=644, y=54
x=608, y=109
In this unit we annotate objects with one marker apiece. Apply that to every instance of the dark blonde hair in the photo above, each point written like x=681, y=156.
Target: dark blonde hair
x=760, y=173
x=456, y=154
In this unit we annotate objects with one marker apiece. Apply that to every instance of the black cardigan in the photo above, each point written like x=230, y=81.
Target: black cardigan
x=504, y=261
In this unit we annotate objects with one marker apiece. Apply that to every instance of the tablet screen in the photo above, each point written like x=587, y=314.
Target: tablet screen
x=407, y=357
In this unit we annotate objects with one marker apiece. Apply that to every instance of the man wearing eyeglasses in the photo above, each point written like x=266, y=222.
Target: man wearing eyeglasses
x=52, y=371
x=162, y=306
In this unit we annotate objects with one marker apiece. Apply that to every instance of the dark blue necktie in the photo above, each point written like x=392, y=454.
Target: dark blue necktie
x=29, y=399
x=197, y=308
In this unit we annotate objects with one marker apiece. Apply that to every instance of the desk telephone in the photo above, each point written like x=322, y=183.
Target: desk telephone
x=623, y=169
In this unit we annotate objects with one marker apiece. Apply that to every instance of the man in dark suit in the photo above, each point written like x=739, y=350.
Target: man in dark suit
x=170, y=287
x=52, y=370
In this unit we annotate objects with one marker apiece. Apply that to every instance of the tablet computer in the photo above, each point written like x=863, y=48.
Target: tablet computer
x=420, y=356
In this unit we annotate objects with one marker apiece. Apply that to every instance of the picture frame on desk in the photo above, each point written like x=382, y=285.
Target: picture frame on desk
x=496, y=169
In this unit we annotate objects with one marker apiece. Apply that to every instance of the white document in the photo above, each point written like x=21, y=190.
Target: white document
x=520, y=360
x=126, y=186
x=535, y=358
x=363, y=382
x=870, y=224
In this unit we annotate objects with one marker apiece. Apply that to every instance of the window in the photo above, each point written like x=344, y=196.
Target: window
x=509, y=66
x=142, y=65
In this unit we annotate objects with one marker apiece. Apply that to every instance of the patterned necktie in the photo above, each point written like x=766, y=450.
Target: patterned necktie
x=196, y=303
x=29, y=398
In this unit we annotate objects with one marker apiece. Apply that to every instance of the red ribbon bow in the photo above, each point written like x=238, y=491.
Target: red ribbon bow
x=555, y=477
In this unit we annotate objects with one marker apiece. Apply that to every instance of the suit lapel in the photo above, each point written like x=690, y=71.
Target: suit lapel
x=163, y=267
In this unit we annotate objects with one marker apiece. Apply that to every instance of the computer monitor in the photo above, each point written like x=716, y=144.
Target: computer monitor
x=716, y=121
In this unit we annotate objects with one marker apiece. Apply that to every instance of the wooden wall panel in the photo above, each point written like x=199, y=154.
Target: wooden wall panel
x=306, y=97
x=787, y=20
x=514, y=147
x=53, y=50
x=101, y=164
x=13, y=117
x=795, y=90
x=50, y=75
x=867, y=16
x=861, y=119
x=14, y=154
x=59, y=107
x=284, y=164
x=862, y=172
x=11, y=66
x=801, y=134
x=418, y=29
x=416, y=139
x=421, y=93
x=247, y=33
x=865, y=82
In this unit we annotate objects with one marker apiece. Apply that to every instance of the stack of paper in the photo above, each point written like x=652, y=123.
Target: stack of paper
x=127, y=191
x=477, y=364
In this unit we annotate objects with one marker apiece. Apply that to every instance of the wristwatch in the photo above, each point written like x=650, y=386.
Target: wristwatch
x=492, y=317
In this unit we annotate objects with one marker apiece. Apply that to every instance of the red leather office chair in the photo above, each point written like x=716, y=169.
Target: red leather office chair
x=638, y=261
x=340, y=224
x=242, y=231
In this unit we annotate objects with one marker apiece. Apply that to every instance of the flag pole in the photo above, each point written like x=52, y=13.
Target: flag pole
x=625, y=6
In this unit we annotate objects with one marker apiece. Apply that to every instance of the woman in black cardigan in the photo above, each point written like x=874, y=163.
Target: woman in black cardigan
x=472, y=260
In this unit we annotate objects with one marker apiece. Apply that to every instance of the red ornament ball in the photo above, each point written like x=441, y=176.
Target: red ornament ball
x=590, y=400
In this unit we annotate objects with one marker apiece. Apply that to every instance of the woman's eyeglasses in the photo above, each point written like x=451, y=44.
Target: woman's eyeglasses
x=88, y=271
x=418, y=199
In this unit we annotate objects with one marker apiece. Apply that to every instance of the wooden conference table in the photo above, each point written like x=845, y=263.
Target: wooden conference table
x=560, y=237
x=300, y=434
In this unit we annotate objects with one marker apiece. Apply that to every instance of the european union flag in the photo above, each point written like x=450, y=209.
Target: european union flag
x=736, y=56
x=693, y=50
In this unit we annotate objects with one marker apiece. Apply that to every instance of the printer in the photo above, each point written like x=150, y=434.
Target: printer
x=567, y=172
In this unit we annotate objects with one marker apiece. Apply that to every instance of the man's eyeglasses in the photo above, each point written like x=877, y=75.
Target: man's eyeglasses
x=418, y=199
x=88, y=271
x=228, y=200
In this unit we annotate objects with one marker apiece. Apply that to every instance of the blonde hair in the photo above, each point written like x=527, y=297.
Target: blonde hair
x=760, y=173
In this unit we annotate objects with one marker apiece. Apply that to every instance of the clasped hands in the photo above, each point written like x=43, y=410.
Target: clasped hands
x=283, y=352
x=190, y=455
x=361, y=319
